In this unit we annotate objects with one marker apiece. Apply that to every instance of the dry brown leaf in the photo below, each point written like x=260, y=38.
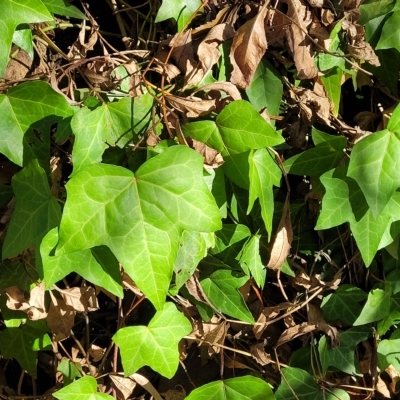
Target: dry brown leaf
x=16, y=299
x=19, y=66
x=364, y=51
x=212, y=333
x=182, y=51
x=226, y=15
x=175, y=394
x=294, y=332
x=96, y=352
x=248, y=47
x=208, y=53
x=60, y=319
x=80, y=298
x=212, y=158
x=314, y=104
x=170, y=71
x=382, y=388
x=80, y=47
x=259, y=354
x=394, y=376
x=145, y=383
x=268, y=314
x=299, y=42
x=283, y=239
x=193, y=106
x=135, y=87
x=234, y=363
x=315, y=316
x=124, y=386
x=226, y=87
x=37, y=309
x=55, y=175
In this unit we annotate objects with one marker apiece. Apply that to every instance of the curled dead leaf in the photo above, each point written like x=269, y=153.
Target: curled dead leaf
x=299, y=42
x=248, y=47
x=124, y=386
x=60, y=319
x=258, y=353
x=282, y=241
x=212, y=158
x=208, y=53
x=193, y=106
x=80, y=298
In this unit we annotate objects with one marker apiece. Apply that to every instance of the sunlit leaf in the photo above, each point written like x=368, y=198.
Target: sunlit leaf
x=36, y=211
x=221, y=288
x=96, y=265
x=139, y=217
x=155, y=345
x=28, y=106
x=375, y=166
x=116, y=123
x=179, y=10
x=83, y=389
x=242, y=388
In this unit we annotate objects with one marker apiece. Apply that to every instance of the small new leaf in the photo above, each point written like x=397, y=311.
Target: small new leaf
x=155, y=345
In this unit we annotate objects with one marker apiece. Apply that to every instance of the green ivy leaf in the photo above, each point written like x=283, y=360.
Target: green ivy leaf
x=155, y=345
x=375, y=166
x=23, y=11
x=238, y=129
x=266, y=88
x=250, y=260
x=179, y=10
x=302, y=386
x=140, y=217
x=343, y=357
x=221, y=288
x=377, y=306
x=371, y=9
x=36, y=211
x=83, y=389
x=14, y=273
x=70, y=370
x=23, y=343
x=332, y=82
x=97, y=265
x=242, y=388
x=192, y=249
x=324, y=156
x=390, y=36
x=6, y=194
x=62, y=7
x=23, y=39
x=116, y=123
x=344, y=202
x=264, y=175
x=28, y=106
x=229, y=242
x=344, y=304
x=388, y=351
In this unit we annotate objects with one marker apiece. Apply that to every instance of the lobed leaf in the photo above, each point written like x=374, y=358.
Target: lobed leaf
x=139, y=217
x=155, y=345
x=36, y=211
